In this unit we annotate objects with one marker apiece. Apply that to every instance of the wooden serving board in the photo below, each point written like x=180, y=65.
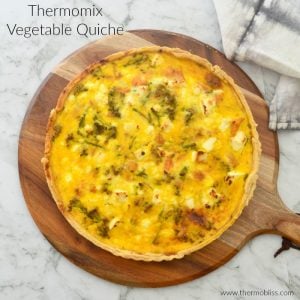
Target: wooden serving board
x=265, y=212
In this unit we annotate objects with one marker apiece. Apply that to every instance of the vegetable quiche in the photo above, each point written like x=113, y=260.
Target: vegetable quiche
x=151, y=153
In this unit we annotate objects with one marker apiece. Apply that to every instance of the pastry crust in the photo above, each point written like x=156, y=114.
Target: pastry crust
x=250, y=182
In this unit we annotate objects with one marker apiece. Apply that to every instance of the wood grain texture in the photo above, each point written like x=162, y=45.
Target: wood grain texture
x=265, y=212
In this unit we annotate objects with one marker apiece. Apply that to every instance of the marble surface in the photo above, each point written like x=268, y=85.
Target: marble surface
x=29, y=267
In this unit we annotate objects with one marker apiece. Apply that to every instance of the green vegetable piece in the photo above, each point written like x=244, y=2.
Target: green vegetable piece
x=82, y=121
x=156, y=114
x=225, y=166
x=168, y=177
x=177, y=190
x=168, y=100
x=116, y=171
x=192, y=146
x=149, y=119
x=92, y=144
x=57, y=131
x=94, y=216
x=79, y=88
x=98, y=73
x=111, y=133
x=76, y=203
x=84, y=152
x=189, y=113
x=178, y=215
x=142, y=173
x=147, y=206
x=103, y=228
x=69, y=139
x=106, y=188
x=115, y=98
x=183, y=172
x=132, y=142
x=137, y=60
x=99, y=128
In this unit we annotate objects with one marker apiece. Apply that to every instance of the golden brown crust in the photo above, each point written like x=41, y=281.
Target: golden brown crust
x=249, y=184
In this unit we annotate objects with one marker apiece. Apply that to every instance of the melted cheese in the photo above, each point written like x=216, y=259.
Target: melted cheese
x=146, y=157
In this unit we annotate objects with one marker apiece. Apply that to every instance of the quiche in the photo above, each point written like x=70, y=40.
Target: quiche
x=151, y=153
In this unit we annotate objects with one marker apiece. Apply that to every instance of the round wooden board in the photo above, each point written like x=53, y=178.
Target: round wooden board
x=265, y=213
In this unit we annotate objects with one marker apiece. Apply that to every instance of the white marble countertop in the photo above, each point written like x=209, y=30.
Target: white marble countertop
x=29, y=267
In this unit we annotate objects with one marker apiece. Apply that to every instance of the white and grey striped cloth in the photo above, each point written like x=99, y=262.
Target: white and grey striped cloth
x=267, y=32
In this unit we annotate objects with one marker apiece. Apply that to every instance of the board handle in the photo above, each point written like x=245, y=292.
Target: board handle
x=287, y=224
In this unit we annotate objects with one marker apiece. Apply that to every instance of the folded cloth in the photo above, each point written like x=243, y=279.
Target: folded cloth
x=267, y=32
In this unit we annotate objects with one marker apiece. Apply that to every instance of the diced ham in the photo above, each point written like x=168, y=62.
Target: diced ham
x=235, y=125
x=160, y=139
x=233, y=162
x=219, y=96
x=93, y=188
x=123, y=90
x=132, y=165
x=168, y=164
x=213, y=80
x=201, y=156
x=175, y=74
x=196, y=218
x=198, y=175
x=139, y=80
x=78, y=191
x=203, y=87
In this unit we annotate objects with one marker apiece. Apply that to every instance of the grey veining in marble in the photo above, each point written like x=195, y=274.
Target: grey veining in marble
x=29, y=267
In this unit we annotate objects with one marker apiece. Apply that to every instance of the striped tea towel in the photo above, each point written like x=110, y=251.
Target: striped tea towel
x=267, y=32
